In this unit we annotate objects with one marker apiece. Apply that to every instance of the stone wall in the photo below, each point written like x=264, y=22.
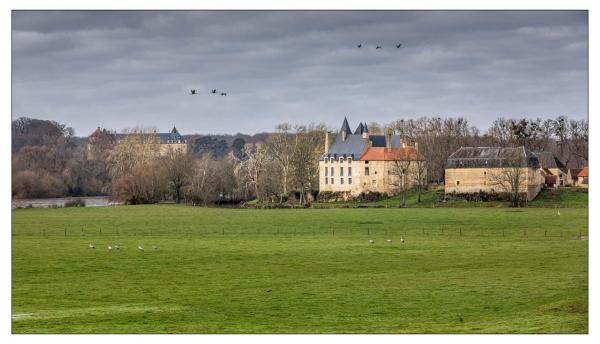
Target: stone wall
x=479, y=180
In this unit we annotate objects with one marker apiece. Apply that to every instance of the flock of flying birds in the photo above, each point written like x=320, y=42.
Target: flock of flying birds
x=214, y=91
x=398, y=46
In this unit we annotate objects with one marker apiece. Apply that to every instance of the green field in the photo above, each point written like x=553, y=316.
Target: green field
x=466, y=270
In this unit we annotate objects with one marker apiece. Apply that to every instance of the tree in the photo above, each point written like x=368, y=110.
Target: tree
x=251, y=169
x=308, y=143
x=281, y=148
x=420, y=176
x=399, y=176
x=203, y=182
x=177, y=167
x=510, y=177
x=137, y=148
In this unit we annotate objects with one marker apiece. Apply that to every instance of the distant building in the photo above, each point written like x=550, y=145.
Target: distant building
x=360, y=162
x=472, y=170
x=553, y=170
x=583, y=178
x=167, y=141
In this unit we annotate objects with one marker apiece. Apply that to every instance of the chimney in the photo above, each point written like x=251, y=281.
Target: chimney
x=388, y=139
x=326, y=142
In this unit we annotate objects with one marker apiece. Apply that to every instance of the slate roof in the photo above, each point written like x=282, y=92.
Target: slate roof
x=355, y=145
x=478, y=157
x=549, y=160
x=172, y=137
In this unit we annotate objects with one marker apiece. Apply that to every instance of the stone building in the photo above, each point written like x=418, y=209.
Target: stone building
x=487, y=170
x=108, y=139
x=583, y=178
x=553, y=170
x=361, y=163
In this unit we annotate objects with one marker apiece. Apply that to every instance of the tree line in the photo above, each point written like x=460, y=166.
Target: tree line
x=50, y=161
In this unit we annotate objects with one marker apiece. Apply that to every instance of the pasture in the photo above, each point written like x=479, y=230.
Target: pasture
x=467, y=270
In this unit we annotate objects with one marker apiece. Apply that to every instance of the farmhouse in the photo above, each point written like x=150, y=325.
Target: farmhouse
x=166, y=141
x=362, y=163
x=555, y=173
x=583, y=177
x=491, y=170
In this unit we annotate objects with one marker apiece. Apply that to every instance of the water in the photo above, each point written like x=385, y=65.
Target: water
x=96, y=201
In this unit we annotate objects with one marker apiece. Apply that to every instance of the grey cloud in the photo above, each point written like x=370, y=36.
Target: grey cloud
x=125, y=68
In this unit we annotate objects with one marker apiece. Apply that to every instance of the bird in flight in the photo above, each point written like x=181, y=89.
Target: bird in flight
x=193, y=92
x=399, y=45
x=378, y=47
x=213, y=91
x=223, y=93
x=359, y=46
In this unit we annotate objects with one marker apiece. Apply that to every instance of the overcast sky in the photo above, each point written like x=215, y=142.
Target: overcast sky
x=119, y=69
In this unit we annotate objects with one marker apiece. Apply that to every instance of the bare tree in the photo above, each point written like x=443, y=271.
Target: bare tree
x=309, y=141
x=177, y=167
x=137, y=147
x=281, y=148
x=419, y=175
x=251, y=169
x=510, y=177
x=399, y=176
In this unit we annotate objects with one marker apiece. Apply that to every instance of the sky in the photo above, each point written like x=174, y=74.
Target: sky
x=121, y=69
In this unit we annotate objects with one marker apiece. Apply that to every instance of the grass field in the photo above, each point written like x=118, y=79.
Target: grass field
x=471, y=270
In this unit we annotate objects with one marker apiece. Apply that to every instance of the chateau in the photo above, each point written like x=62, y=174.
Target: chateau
x=166, y=141
x=361, y=163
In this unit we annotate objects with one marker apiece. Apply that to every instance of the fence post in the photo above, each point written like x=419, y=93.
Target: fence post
x=368, y=231
x=222, y=231
x=65, y=231
x=503, y=232
x=333, y=232
x=100, y=230
x=545, y=233
x=423, y=230
x=460, y=231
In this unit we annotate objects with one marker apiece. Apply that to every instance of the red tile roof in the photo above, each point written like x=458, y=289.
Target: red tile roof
x=583, y=173
x=391, y=154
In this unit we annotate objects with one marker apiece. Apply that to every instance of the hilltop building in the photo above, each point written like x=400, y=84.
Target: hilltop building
x=488, y=170
x=358, y=162
x=166, y=141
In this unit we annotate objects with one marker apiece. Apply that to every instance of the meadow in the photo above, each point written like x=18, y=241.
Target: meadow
x=460, y=270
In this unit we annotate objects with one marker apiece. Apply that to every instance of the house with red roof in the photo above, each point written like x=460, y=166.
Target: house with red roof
x=583, y=177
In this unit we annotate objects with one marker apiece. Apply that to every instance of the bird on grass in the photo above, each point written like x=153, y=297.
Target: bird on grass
x=402, y=240
x=91, y=245
x=109, y=248
x=155, y=247
x=371, y=241
x=389, y=241
x=117, y=247
x=141, y=248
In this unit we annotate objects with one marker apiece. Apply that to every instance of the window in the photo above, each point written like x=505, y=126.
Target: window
x=326, y=180
x=341, y=159
x=326, y=169
x=325, y=159
x=458, y=182
x=341, y=180
x=341, y=171
x=366, y=171
x=349, y=180
x=331, y=180
x=331, y=172
x=349, y=172
x=350, y=160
